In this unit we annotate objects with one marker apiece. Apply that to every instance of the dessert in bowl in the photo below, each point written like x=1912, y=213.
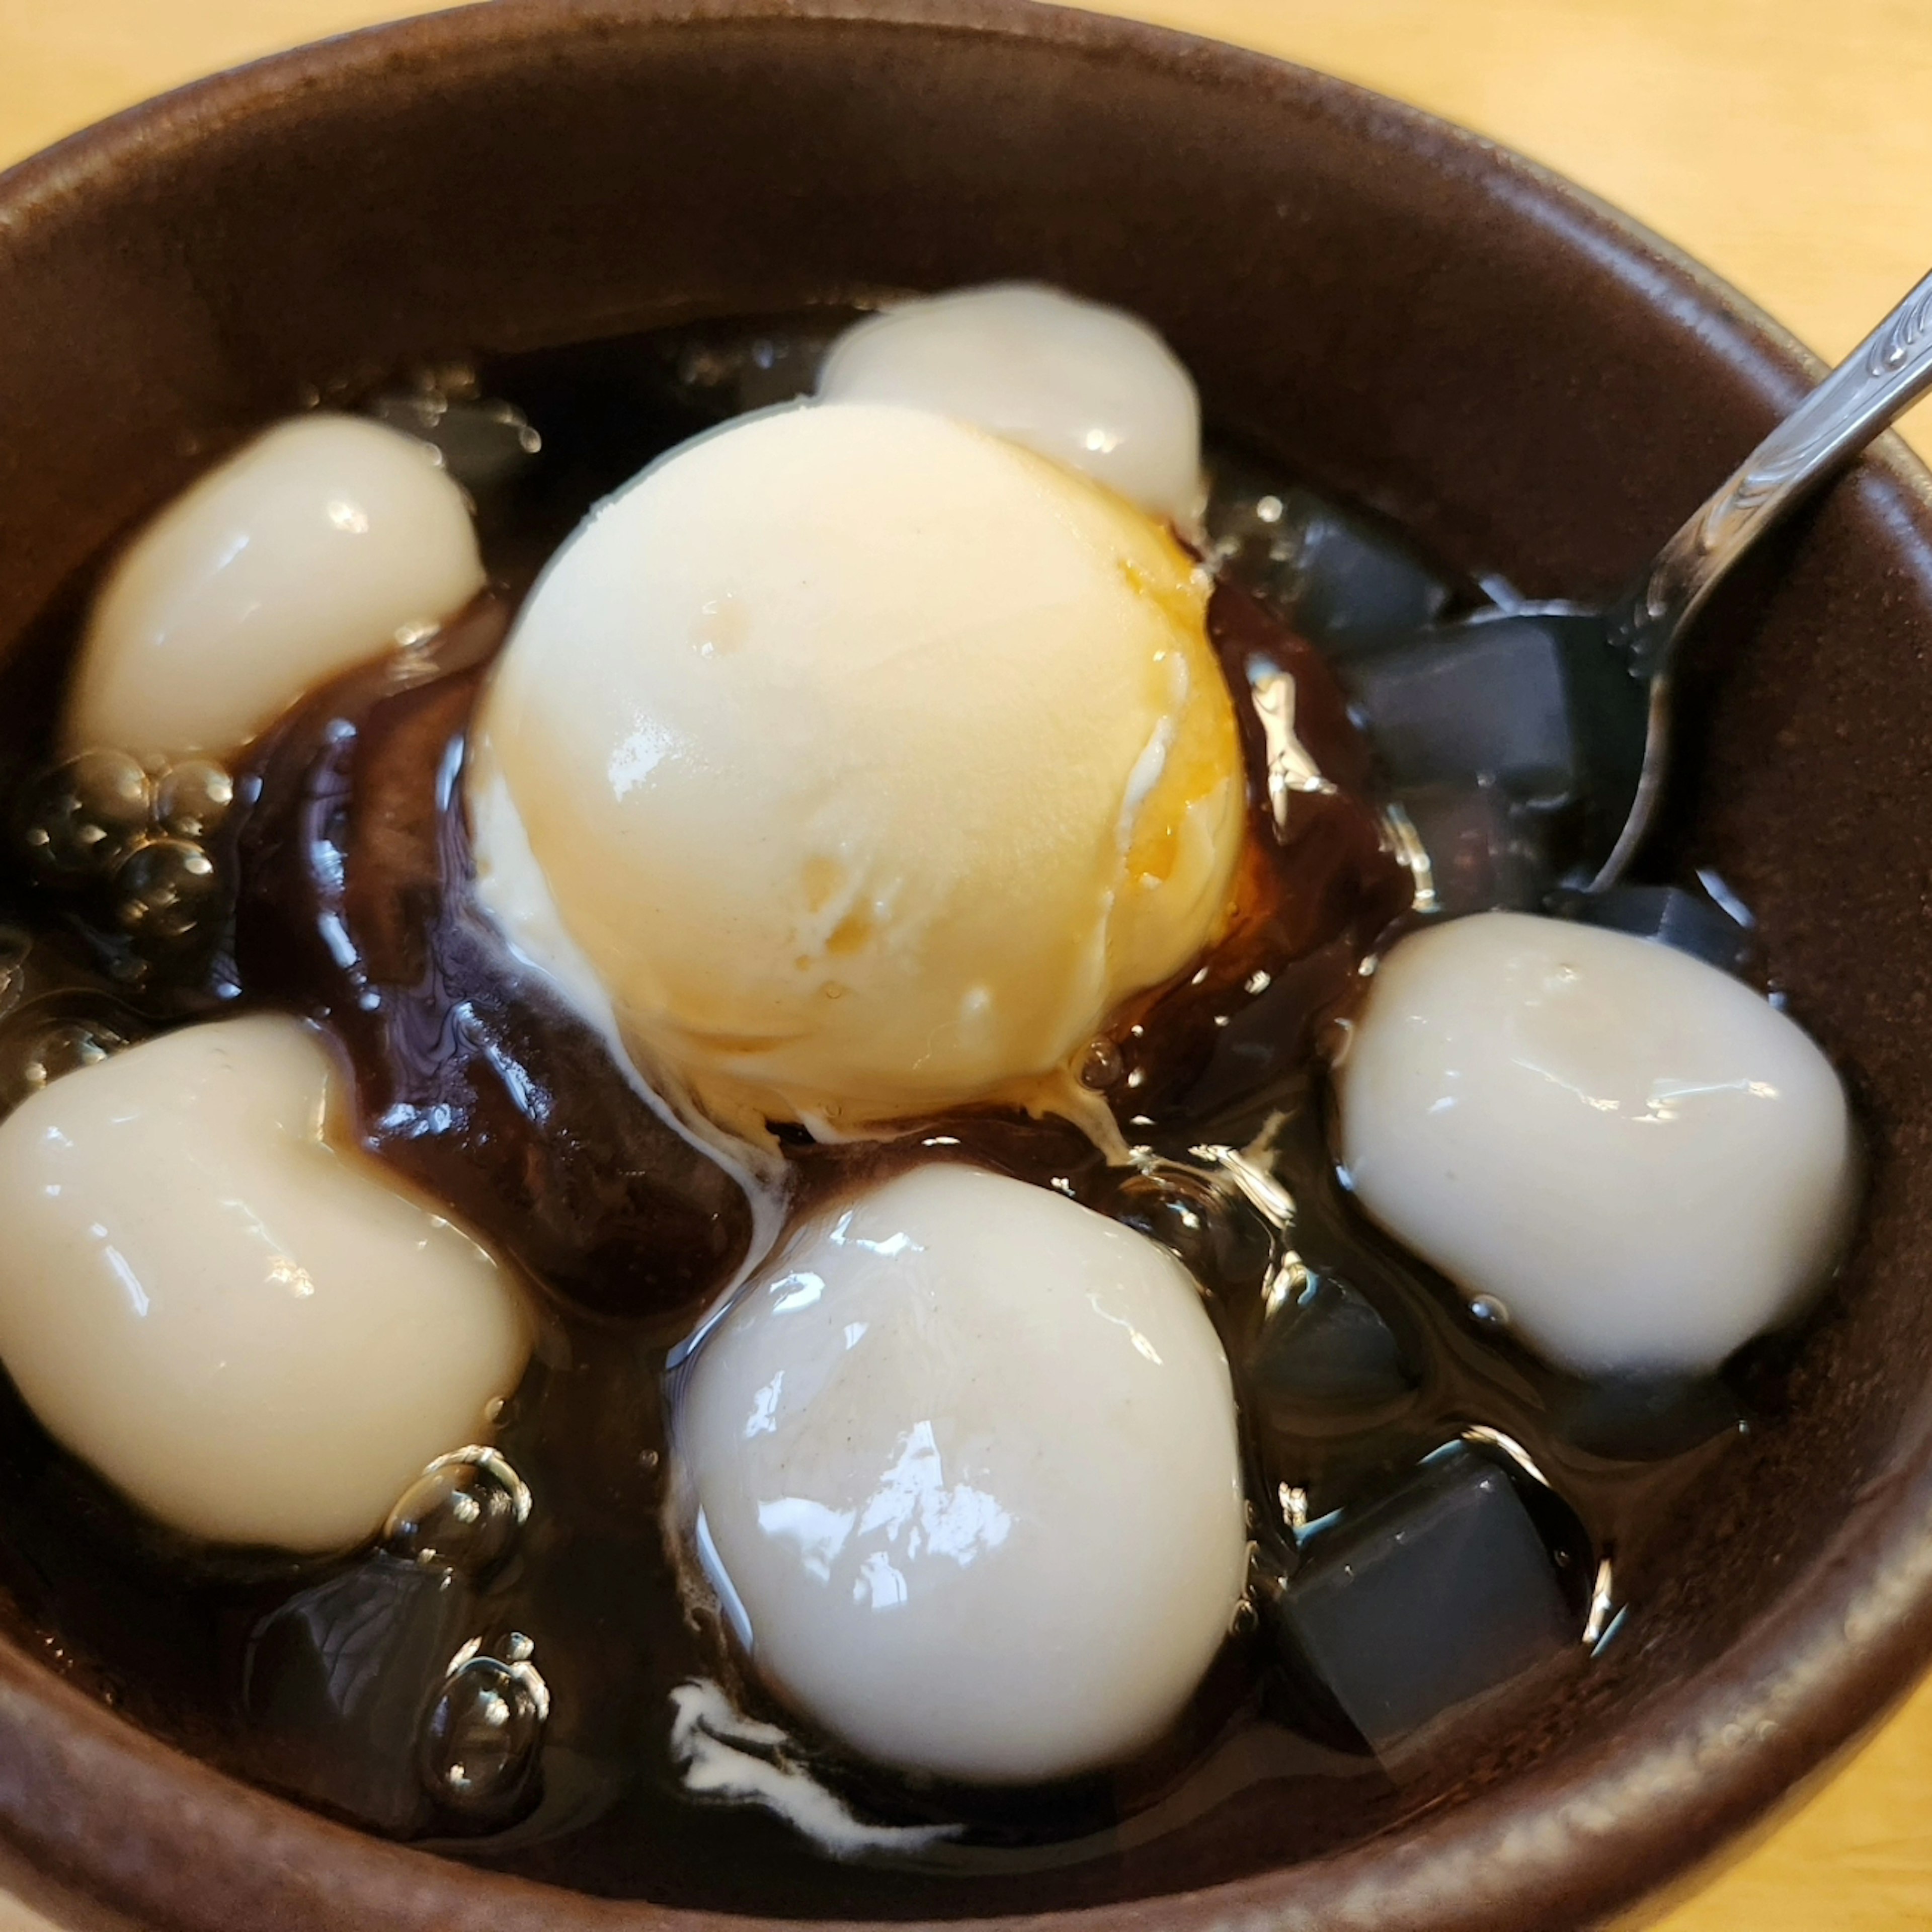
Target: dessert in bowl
x=673, y=1211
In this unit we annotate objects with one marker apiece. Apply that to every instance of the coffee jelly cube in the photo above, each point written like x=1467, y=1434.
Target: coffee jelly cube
x=1440, y=1593
x=340, y=1681
x=1485, y=850
x=1628, y=1419
x=1485, y=701
x=1354, y=580
x=1333, y=575
x=1326, y=1346
x=1672, y=917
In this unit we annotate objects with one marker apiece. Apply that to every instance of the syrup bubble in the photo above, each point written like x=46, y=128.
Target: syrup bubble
x=15, y=946
x=1101, y=1066
x=1176, y=1207
x=165, y=888
x=77, y=821
x=463, y=1511
x=485, y=1730
x=193, y=798
x=33, y=1057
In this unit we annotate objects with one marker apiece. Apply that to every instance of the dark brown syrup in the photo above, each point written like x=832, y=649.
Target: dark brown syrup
x=471, y=1080
x=480, y=1089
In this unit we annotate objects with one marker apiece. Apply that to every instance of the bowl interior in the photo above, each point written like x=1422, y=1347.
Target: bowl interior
x=1398, y=314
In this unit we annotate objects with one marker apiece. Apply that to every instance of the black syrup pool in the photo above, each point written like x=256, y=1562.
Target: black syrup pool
x=1481, y=1522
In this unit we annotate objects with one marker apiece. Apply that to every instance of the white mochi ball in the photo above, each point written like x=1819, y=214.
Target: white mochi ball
x=1091, y=387
x=965, y=1465
x=304, y=554
x=258, y=1337
x=1643, y=1159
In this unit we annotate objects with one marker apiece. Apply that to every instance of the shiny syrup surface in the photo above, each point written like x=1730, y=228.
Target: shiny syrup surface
x=349, y=811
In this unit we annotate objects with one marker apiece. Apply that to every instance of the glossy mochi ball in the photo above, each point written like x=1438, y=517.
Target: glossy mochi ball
x=1092, y=387
x=256, y=1336
x=965, y=1471
x=869, y=762
x=304, y=554
x=1641, y=1159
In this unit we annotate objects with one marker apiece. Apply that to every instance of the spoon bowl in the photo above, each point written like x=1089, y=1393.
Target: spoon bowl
x=1564, y=709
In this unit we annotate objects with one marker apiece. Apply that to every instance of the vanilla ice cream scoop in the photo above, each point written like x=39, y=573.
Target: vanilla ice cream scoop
x=868, y=760
x=258, y=1337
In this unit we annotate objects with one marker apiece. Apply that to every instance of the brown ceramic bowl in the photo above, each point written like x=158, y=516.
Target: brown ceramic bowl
x=1405, y=315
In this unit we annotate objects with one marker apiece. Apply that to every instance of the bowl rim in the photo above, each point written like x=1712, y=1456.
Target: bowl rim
x=100, y=1818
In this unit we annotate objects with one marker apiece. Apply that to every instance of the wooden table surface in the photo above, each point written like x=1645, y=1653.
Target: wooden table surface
x=1787, y=144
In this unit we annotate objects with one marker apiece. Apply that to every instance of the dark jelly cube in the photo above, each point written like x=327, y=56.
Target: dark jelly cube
x=1542, y=703
x=339, y=1682
x=1354, y=580
x=1436, y=1595
x=1485, y=850
x=1673, y=917
x=1326, y=1346
x=1333, y=575
x=1481, y=700
x=1625, y=1420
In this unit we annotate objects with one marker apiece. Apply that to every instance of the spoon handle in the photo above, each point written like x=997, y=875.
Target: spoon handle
x=1887, y=371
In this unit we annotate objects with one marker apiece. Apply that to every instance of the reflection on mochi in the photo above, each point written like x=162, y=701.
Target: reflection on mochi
x=965, y=1463
x=253, y=1334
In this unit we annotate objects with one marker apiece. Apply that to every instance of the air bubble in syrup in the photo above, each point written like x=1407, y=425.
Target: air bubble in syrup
x=194, y=798
x=725, y=370
x=15, y=946
x=1176, y=1207
x=483, y=443
x=463, y=1512
x=484, y=1732
x=1101, y=1066
x=37, y=1056
x=166, y=889
x=77, y=821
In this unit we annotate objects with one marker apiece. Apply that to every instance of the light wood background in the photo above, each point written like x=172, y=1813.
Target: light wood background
x=1786, y=143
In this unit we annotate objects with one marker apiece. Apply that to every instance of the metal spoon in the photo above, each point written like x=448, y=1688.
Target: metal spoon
x=1566, y=705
